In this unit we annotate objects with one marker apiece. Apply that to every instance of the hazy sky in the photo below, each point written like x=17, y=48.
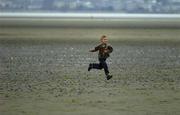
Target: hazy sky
x=110, y=6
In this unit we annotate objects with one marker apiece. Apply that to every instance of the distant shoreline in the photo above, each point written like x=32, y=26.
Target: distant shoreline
x=86, y=15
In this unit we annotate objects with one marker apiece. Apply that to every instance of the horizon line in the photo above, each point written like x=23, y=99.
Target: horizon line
x=83, y=15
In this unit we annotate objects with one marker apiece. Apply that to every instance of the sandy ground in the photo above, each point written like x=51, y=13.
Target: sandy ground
x=75, y=34
x=51, y=78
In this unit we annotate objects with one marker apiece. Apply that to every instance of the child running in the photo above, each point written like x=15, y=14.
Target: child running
x=104, y=50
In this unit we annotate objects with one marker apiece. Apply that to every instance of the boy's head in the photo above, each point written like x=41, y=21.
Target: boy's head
x=104, y=39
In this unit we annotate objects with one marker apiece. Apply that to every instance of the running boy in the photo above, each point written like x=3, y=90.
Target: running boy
x=104, y=51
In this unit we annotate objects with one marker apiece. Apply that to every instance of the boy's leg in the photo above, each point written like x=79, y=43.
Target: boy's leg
x=104, y=65
x=95, y=66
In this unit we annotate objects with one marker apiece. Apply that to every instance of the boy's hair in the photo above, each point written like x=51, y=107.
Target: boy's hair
x=102, y=37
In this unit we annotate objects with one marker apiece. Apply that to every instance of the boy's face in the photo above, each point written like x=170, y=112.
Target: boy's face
x=104, y=40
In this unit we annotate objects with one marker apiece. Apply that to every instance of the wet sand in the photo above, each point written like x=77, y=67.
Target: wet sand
x=51, y=78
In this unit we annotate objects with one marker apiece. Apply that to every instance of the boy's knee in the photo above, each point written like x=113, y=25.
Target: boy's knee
x=104, y=64
x=100, y=67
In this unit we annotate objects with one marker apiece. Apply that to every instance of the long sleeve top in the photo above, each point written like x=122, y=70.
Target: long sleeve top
x=104, y=50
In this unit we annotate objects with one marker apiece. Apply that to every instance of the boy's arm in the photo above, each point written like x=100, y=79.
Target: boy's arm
x=109, y=49
x=95, y=49
x=92, y=50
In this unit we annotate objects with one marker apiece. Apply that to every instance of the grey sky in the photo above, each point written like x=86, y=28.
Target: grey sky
x=102, y=6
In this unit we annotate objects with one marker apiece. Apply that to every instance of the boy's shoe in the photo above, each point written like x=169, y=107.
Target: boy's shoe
x=109, y=77
x=90, y=67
